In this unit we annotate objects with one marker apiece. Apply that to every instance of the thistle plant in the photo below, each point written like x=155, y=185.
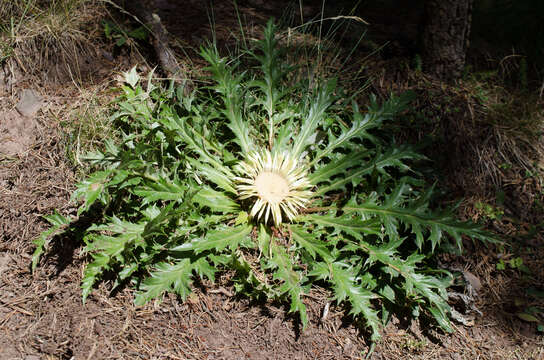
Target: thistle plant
x=286, y=185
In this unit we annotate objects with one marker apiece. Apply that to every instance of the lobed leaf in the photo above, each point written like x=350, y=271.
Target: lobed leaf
x=218, y=240
x=91, y=189
x=292, y=280
x=338, y=166
x=417, y=217
x=229, y=86
x=215, y=200
x=311, y=243
x=167, y=277
x=348, y=287
x=58, y=223
x=316, y=115
x=162, y=189
x=347, y=224
x=391, y=158
x=361, y=124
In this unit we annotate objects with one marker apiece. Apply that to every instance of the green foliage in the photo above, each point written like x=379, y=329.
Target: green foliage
x=121, y=36
x=58, y=223
x=515, y=263
x=489, y=211
x=171, y=212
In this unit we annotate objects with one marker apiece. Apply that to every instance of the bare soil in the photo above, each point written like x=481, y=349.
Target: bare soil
x=42, y=316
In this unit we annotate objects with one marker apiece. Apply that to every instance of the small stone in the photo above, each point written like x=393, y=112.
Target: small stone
x=30, y=103
x=32, y=357
x=107, y=55
x=4, y=262
x=455, y=356
x=473, y=280
x=17, y=132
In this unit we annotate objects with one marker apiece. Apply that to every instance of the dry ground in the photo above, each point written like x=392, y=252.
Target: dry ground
x=42, y=317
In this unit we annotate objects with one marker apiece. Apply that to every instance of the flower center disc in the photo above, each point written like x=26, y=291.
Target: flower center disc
x=271, y=187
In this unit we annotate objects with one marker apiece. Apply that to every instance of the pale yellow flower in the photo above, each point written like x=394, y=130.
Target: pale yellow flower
x=277, y=183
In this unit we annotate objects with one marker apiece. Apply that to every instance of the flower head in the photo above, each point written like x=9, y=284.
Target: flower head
x=277, y=182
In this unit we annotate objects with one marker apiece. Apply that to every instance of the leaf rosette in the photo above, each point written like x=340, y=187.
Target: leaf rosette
x=288, y=184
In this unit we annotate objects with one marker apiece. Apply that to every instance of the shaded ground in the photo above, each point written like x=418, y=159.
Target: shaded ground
x=42, y=317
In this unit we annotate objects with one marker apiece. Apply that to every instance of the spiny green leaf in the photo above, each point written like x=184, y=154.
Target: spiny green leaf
x=311, y=243
x=204, y=269
x=163, y=189
x=92, y=273
x=217, y=177
x=167, y=277
x=338, y=166
x=91, y=189
x=112, y=246
x=320, y=270
x=155, y=227
x=273, y=70
x=215, y=200
x=228, y=85
x=347, y=287
x=283, y=137
x=316, y=114
x=258, y=286
x=348, y=224
x=387, y=292
x=108, y=249
x=218, y=239
x=197, y=142
x=358, y=129
x=439, y=308
x=116, y=225
x=291, y=280
x=58, y=222
x=430, y=288
x=417, y=217
x=264, y=239
x=125, y=273
x=385, y=253
x=393, y=157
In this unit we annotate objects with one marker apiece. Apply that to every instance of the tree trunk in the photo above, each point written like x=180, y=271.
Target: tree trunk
x=165, y=55
x=445, y=37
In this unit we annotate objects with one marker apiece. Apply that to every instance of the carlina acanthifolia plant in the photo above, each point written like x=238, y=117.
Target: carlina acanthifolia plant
x=287, y=185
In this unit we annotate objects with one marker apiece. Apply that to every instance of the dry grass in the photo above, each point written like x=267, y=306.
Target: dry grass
x=54, y=38
x=487, y=130
x=515, y=124
x=85, y=122
x=52, y=44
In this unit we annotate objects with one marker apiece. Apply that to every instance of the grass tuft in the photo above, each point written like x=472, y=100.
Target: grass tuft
x=54, y=38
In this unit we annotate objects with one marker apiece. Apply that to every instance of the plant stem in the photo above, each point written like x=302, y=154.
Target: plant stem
x=319, y=208
x=270, y=132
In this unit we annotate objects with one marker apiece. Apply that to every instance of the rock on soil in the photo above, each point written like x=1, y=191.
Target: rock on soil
x=30, y=103
x=19, y=128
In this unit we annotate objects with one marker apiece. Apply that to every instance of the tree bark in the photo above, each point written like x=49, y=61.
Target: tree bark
x=165, y=55
x=445, y=37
